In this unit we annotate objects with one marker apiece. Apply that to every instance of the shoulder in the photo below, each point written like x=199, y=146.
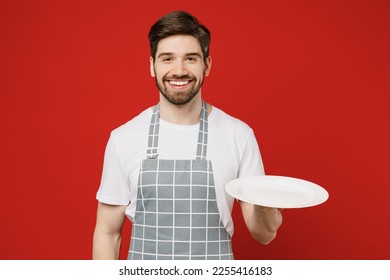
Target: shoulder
x=228, y=132
x=134, y=127
x=222, y=120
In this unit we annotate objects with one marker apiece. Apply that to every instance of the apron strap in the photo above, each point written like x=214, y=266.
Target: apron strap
x=152, y=151
x=201, y=151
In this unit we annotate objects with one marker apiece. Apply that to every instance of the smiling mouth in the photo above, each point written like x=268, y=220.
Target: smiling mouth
x=179, y=82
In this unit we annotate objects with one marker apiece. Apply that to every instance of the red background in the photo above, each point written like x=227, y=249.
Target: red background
x=310, y=77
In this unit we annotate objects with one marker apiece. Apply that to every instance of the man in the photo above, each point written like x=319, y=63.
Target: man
x=166, y=169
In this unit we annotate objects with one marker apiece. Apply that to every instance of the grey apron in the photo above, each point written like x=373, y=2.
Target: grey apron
x=176, y=213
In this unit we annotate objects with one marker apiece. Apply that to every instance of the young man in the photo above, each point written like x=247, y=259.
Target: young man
x=166, y=169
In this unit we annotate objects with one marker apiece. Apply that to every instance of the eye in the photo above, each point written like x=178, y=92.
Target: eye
x=192, y=59
x=167, y=59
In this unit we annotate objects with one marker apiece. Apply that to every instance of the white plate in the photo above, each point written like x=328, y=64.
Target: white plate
x=277, y=191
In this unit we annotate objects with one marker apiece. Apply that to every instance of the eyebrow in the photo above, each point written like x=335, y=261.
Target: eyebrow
x=187, y=54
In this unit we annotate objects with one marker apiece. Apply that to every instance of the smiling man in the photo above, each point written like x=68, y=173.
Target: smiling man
x=179, y=68
x=166, y=169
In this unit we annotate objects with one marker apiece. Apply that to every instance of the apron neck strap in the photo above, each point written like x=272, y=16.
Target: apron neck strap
x=201, y=151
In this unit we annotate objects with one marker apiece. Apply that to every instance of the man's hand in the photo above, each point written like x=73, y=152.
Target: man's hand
x=262, y=222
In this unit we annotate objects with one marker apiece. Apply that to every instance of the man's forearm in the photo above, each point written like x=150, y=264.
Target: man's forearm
x=265, y=223
x=106, y=246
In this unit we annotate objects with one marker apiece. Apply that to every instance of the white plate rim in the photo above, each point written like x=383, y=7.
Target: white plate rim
x=232, y=188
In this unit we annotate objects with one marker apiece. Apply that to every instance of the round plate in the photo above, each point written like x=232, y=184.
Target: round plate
x=277, y=191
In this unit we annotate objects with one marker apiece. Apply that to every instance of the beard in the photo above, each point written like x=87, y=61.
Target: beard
x=180, y=97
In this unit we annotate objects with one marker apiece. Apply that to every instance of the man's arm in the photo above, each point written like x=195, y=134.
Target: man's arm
x=262, y=222
x=107, y=237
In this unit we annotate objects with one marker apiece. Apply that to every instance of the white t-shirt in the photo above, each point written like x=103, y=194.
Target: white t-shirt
x=232, y=149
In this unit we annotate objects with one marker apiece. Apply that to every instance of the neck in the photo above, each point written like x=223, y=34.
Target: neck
x=187, y=114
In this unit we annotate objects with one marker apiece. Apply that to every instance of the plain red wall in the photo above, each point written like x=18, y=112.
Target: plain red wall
x=310, y=77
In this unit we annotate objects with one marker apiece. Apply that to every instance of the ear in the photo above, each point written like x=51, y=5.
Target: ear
x=208, y=66
x=152, y=73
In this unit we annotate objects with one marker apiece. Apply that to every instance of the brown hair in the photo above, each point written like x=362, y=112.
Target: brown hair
x=179, y=23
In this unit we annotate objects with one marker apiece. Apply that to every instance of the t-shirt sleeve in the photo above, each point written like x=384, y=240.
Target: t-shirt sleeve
x=114, y=188
x=251, y=161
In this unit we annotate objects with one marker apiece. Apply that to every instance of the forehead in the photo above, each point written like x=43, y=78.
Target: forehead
x=179, y=44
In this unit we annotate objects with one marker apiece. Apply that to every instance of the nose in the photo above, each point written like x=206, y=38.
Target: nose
x=179, y=69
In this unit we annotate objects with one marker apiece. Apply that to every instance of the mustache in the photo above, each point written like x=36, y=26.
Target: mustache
x=176, y=77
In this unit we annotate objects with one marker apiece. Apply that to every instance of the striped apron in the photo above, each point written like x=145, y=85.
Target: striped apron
x=176, y=213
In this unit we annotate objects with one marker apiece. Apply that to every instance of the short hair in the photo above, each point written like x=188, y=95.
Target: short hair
x=179, y=23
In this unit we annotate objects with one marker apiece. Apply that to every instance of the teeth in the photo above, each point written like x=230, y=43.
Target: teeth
x=179, y=83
